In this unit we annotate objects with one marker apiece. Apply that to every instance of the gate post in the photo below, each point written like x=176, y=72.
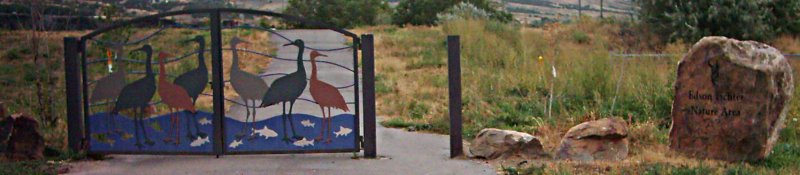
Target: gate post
x=368, y=60
x=454, y=77
x=72, y=78
x=216, y=82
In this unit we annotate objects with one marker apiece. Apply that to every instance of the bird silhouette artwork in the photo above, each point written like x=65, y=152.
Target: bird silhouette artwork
x=287, y=89
x=137, y=96
x=326, y=96
x=174, y=96
x=107, y=89
x=195, y=81
x=250, y=87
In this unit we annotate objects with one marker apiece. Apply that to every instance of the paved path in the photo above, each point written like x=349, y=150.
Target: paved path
x=403, y=152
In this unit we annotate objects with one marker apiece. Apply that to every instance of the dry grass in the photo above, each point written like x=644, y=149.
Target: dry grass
x=505, y=86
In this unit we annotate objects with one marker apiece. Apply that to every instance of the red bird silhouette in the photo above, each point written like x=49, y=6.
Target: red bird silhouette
x=326, y=95
x=174, y=96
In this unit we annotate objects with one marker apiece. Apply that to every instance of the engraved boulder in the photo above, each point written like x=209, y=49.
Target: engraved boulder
x=604, y=139
x=731, y=98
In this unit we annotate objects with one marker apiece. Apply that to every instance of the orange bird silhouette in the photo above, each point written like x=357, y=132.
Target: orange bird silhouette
x=174, y=96
x=326, y=95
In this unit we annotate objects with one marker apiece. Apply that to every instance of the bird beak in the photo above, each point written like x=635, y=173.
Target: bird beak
x=323, y=55
x=292, y=43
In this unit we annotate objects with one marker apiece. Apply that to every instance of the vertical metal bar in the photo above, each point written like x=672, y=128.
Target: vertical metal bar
x=85, y=95
x=454, y=76
x=217, y=83
x=74, y=109
x=359, y=139
x=368, y=58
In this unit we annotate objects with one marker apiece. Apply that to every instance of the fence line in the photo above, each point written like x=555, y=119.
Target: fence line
x=170, y=60
x=664, y=55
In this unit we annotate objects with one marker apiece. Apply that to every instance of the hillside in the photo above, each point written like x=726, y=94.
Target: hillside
x=527, y=11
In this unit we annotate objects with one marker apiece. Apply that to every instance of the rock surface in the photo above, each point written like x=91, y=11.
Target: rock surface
x=493, y=143
x=25, y=142
x=604, y=139
x=730, y=99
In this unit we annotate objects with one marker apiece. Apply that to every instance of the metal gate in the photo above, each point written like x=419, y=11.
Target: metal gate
x=206, y=81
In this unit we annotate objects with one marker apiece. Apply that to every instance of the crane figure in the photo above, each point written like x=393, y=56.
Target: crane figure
x=174, y=96
x=195, y=81
x=108, y=89
x=327, y=96
x=137, y=96
x=287, y=89
x=250, y=87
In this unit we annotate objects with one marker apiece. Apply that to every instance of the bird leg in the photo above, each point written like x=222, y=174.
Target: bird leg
x=329, y=126
x=168, y=139
x=196, y=127
x=322, y=125
x=283, y=116
x=136, y=129
x=241, y=133
x=144, y=129
x=253, y=123
x=177, y=129
x=108, y=122
x=189, y=127
x=291, y=122
x=114, y=121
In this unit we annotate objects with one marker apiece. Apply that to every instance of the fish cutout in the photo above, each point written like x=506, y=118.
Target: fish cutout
x=126, y=136
x=204, y=121
x=156, y=126
x=265, y=132
x=200, y=141
x=343, y=131
x=235, y=144
x=307, y=123
x=304, y=142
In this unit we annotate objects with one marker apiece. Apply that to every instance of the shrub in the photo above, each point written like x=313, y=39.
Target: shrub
x=340, y=13
x=580, y=37
x=463, y=10
x=741, y=19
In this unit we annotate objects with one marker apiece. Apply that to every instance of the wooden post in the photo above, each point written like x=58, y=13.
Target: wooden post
x=73, y=84
x=368, y=60
x=217, y=82
x=454, y=77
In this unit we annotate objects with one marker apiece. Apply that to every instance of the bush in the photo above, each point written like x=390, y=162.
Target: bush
x=340, y=13
x=741, y=19
x=424, y=12
x=580, y=37
x=463, y=10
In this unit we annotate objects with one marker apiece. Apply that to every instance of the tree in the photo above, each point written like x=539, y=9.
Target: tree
x=786, y=16
x=424, y=12
x=741, y=19
x=340, y=13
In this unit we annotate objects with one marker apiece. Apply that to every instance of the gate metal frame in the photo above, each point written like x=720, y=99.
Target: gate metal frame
x=77, y=94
